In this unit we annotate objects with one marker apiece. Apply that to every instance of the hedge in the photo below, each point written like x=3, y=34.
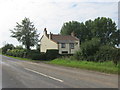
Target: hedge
x=16, y=52
x=35, y=55
x=52, y=54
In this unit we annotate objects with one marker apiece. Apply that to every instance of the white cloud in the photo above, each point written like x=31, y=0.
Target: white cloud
x=51, y=14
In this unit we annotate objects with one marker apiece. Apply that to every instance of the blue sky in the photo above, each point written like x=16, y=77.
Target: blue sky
x=51, y=14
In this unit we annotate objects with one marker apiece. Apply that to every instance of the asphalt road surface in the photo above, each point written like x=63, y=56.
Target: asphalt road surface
x=26, y=74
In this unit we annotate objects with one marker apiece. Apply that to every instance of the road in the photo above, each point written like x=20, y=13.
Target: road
x=26, y=74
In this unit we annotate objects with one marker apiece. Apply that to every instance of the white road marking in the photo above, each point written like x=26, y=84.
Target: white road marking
x=44, y=75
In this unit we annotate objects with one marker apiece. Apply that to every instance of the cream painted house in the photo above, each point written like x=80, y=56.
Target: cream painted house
x=66, y=44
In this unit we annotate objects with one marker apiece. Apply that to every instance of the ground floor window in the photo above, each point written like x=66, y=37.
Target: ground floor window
x=64, y=52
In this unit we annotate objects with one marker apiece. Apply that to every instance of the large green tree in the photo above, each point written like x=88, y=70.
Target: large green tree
x=69, y=27
x=76, y=27
x=26, y=33
x=103, y=28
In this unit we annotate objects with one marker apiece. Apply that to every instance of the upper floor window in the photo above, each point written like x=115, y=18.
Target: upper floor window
x=72, y=45
x=62, y=45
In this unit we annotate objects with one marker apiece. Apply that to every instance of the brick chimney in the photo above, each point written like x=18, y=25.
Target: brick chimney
x=45, y=31
x=50, y=35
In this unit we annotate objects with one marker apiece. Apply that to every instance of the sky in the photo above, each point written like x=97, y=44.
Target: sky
x=51, y=14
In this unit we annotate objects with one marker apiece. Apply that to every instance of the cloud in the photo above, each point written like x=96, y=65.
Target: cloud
x=51, y=14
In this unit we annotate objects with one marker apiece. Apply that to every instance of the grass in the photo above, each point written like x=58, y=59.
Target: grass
x=107, y=67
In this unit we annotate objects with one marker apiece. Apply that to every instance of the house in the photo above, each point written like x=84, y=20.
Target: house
x=66, y=44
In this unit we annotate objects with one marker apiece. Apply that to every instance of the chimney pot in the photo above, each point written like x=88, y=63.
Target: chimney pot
x=50, y=35
x=45, y=31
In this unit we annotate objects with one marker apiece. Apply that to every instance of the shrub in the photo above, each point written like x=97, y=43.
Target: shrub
x=52, y=54
x=29, y=53
x=88, y=49
x=38, y=56
x=19, y=47
x=35, y=55
x=106, y=53
x=7, y=47
x=78, y=55
x=16, y=52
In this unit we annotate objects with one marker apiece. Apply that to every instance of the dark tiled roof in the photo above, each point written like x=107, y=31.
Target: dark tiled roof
x=64, y=38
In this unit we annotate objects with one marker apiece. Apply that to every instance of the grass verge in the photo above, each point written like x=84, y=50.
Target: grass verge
x=25, y=59
x=106, y=67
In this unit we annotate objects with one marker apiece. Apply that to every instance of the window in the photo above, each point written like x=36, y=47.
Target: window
x=64, y=52
x=72, y=45
x=62, y=45
x=76, y=43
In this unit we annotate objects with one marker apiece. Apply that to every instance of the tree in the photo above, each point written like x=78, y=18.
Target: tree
x=69, y=27
x=7, y=47
x=76, y=27
x=115, y=37
x=25, y=33
x=103, y=28
x=89, y=27
x=38, y=47
x=19, y=47
x=89, y=48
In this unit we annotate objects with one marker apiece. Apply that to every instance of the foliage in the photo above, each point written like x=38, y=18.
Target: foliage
x=76, y=27
x=52, y=54
x=98, y=39
x=115, y=37
x=7, y=47
x=69, y=27
x=38, y=47
x=103, y=28
x=106, y=53
x=25, y=33
x=23, y=53
x=98, y=53
x=88, y=49
x=35, y=55
x=16, y=52
x=19, y=47
x=38, y=56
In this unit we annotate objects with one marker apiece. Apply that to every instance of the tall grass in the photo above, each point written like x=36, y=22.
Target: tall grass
x=107, y=67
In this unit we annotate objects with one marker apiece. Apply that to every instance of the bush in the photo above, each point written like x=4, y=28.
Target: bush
x=7, y=47
x=92, y=51
x=106, y=53
x=88, y=49
x=16, y=52
x=19, y=47
x=31, y=54
x=38, y=56
x=52, y=54
x=78, y=55
x=35, y=55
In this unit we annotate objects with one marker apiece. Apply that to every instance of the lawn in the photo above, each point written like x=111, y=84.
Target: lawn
x=107, y=67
